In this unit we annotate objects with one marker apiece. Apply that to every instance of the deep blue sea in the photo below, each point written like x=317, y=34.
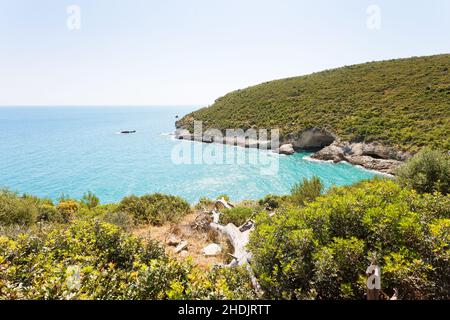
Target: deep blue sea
x=72, y=150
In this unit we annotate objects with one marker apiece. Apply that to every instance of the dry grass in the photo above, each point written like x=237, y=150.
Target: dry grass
x=197, y=240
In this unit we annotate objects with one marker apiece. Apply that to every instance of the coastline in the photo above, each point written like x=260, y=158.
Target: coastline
x=309, y=158
x=373, y=157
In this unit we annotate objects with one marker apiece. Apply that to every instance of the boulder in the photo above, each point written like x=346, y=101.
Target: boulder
x=334, y=152
x=212, y=250
x=287, y=149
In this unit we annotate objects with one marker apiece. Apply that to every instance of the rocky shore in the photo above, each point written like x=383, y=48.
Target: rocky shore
x=371, y=155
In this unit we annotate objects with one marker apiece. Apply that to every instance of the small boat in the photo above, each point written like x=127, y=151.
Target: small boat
x=128, y=131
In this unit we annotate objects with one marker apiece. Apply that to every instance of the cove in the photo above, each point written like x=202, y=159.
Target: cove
x=50, y=151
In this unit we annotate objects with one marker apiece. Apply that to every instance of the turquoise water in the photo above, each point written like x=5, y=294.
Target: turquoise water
x=48, y=151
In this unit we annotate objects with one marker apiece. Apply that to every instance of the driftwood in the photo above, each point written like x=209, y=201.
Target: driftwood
x=239, y=238
x=216, y=217
x=183, y=245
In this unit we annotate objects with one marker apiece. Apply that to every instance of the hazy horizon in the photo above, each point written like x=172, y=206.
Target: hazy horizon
x=146, y=53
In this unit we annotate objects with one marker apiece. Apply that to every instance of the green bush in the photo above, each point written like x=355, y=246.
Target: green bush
x=156, y=208
x=322, y=250
x=427, y=172
x=238, y=216
x=16, y=210
x=337, y=269
x=121, y=219
x=215, y=284
x=272, y=202
x=49, y=213
x=306, y=191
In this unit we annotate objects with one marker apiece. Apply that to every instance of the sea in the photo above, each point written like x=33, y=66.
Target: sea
x=50, y=151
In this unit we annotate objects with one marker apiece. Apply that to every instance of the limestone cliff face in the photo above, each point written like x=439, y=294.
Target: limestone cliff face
x=313, y=138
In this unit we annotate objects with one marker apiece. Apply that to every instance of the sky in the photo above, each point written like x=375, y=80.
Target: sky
x=190, y=52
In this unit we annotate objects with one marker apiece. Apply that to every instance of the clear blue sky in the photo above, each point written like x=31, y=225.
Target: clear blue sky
x=189, y=52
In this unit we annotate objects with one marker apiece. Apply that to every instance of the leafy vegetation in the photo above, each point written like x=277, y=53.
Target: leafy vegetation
x=322, y=250
x=68, y=209
x=428, y=171
x=238, y=216
x=306, y=191
x=16, y=210
x=272, y=202
x=87, y=260
x=155, y=208
x=403, y=103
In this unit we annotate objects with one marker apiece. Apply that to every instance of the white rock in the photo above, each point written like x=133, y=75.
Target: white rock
x=212, y=250
x=286, y=149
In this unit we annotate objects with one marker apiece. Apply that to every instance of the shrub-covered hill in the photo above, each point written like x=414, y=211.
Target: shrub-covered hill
x=403, y=103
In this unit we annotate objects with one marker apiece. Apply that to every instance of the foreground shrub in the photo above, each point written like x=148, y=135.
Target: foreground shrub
x=427, y=172
x=322, y=250
x=155, y=208
x=215, y=284
x=87, y=260
x=96, y=260
x=337, y=268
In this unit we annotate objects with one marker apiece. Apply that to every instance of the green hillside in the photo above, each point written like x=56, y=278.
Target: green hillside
x=403, y=103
